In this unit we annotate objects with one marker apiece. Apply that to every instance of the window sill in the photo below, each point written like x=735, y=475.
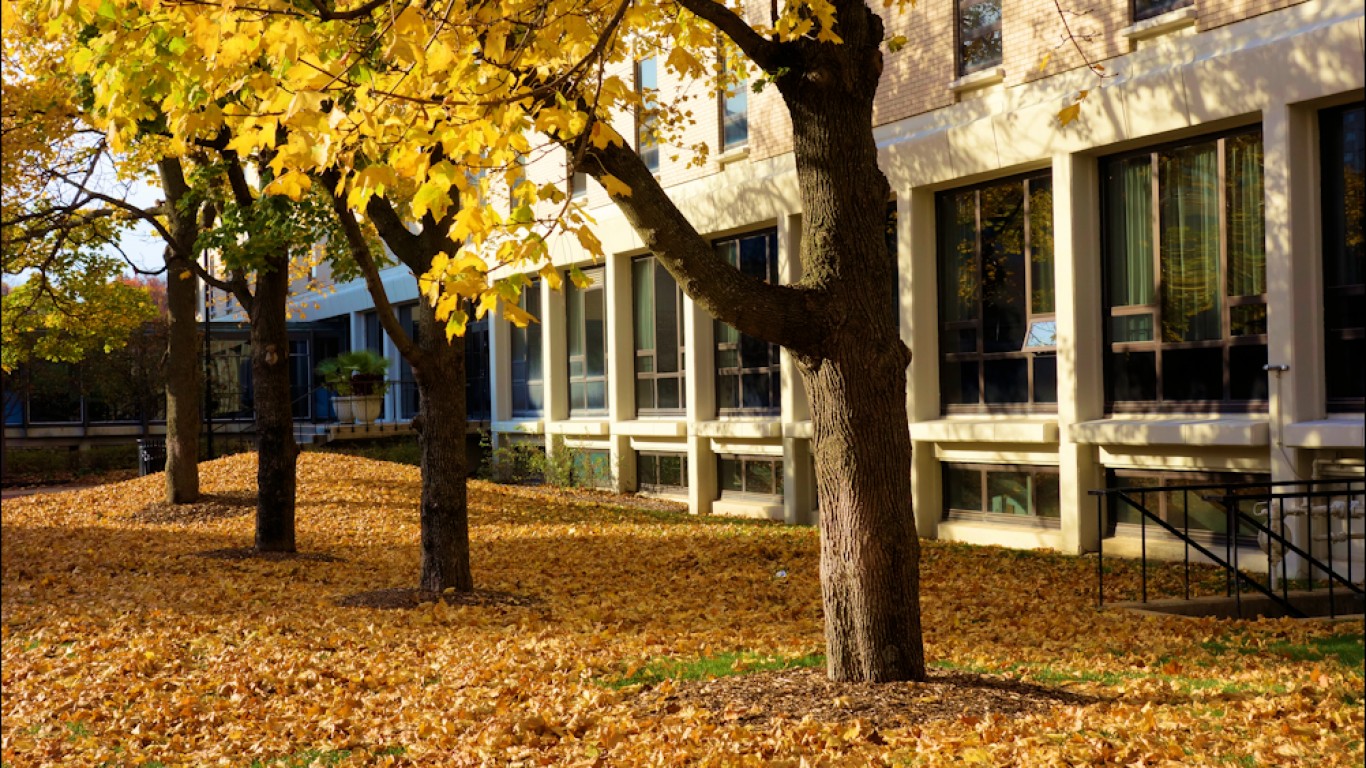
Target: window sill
x=530, y=426
x=983, y=78
x=579, y=426
x=733, y=155
x=1217, y=431
x=1164, y=24
x=986, y=431
x=652, y=428
x=753, y=430
x=1332, y=432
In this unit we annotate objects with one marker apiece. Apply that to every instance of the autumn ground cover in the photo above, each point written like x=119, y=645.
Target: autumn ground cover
x=132, y=636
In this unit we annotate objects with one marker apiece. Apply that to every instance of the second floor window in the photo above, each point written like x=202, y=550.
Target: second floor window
x=1185, y=275
x=979, y=35
x=660, y=355
x=528, y=380
x=1146, y=9
x=747, y=379
x=647, y=86
x=586, y=311
x=734, y=114
x=996, y=296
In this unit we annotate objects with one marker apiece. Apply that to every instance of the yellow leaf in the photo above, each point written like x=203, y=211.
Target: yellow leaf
x=896, y=43
x=292, y=185
x=1069, y=113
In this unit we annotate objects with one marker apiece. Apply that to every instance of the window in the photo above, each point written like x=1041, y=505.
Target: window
x=408, y=403
x=578, y=185
x=747, y=379
x=1185, y=276
x=734, y=110
x=662, y=472
x=659, y=338
x=1193, y=511
x=528, y=384
x=587, y=317
x=1146, y=9
x=477, y=403
x=979, y=35
x=996, y=296
x=647, y=87
x=1002, y=494
x=590, y=469
x=750, y=475
x=1344, y=256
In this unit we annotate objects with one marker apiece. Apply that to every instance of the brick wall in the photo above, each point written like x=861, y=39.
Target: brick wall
x=1218, y=13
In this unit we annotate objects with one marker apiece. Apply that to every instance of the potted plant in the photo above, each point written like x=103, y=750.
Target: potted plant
x=337, y=379
x=368, y=383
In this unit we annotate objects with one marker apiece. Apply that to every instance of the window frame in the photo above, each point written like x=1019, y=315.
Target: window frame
x=1157, y=344
x=979, y=356
x=531, y=341
x=1123, y=477
x=654, y=376
x=983, y=515
x=658, y=487
x=598, y=275
x=745, y=494
x=739, y=371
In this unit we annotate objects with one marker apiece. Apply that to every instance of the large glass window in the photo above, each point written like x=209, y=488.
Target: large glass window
x=1344, y=256
x=1002, y=494
x=662, y=472
x=979, y=35
x=477, y=404
x=1185, y=275
x=586, y=311
x=659, y=338
x=1146, y=9
x=647, y=87
x=1197, y=512
x=528, y=380
x=755, y=476
x=734, y=114
x=996, y=296
x=747, y=378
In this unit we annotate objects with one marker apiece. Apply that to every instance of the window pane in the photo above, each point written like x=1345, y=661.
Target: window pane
x=1008, y=493
x=1246, y=218
x=645, y=394
x=731, y=478
x=753, y=352
x=958, y=383
x=595, y=331
x=1247, y=320
x=1146, y=9
x=755, y=392
x=666, y=319
x=1131, y=328
x=1003, y=268
x=1007, y=381
x=1047, y=498
x=727, y=391
x=963, y=489
x=1247, y=378
x=979, y=35
x=1345, y=372
x=1193, y=374
x=646, y=470
x=760, y=477
x=1129, y=254
x=1045, y=378
x=669, y=395
x=1188, y=179
x=574, y=311
x=1043, y=300
x=597, y=395
x=958, y=257
x=671, y=471
x=643, y=280
x=1343, y=166
x=1133, y=375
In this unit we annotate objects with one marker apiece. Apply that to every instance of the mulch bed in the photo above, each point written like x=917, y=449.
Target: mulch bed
x=762, y=697
x=402, y=599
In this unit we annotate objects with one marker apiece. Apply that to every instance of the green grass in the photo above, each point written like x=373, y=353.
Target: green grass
x=305, y=759
x=1347, y=650
x=708, y=667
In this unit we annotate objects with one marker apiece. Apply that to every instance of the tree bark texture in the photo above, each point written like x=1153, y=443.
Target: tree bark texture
x=275, y=447
x=440, y=374
x=184, y=393
x=840, y=323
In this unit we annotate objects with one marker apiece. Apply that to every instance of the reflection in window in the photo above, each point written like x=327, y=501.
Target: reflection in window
x=647, y=87
x=590, y=469
x=586, y=311
x=1344, y=256
x=750, y=475
x=996, y=295
x=734, y=111
x=979, y=35
x=1002, y=494
x=747, y=378
x=1195, y=511
x=662, y=472
x=1185, y=273
x=1146, y=9
x=658, y=311
x=528, y=383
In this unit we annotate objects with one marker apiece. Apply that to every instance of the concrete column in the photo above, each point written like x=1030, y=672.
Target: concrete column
x=1081, y=355
x=554, y=353
x=798, y=496
x=701, y=475
x=799, y=483
x=920, y=330
x=699, y=383
x=621, y=368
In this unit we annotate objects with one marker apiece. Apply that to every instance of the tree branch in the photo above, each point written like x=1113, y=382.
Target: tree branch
x=768, y=54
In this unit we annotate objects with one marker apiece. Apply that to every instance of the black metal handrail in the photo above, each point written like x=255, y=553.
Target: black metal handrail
x=1231, y=497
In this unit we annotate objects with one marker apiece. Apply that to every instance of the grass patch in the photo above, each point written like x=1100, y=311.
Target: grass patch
x=709, y=667
x=1347, y=650
x=305, y=759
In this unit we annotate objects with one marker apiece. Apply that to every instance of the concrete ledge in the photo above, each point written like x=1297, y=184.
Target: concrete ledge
x=366, y=431
x=1012, y=536
x=1161, y=25
x=594, y=428
x=754, y=510
x=1328, y=433
x=1203, y=432
x=980, y=79
x=985, y=431
x=800, y=430
x=523, y=426
x=648, y=428
x=745, y=430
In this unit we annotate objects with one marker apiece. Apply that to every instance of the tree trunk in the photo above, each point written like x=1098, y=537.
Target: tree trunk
x=184, y=396
x=856, y=377
x=275, y=448
x=440, y=374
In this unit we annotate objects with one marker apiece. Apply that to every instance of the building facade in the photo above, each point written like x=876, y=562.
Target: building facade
x=1169, y=288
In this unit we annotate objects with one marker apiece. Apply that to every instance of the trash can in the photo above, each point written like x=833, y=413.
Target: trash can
x=151, y=456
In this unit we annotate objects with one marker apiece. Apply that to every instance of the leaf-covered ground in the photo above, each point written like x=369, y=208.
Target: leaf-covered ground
x=125, y=645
